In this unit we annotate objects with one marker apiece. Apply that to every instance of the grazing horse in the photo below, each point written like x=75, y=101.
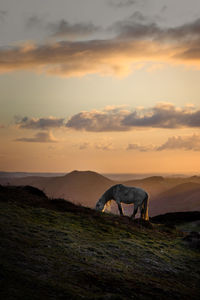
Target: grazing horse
x=126, y=194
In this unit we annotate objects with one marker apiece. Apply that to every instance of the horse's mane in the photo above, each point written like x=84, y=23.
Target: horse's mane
x=109, y=193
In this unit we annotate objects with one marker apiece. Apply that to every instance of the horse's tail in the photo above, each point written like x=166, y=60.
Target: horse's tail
x=145, y=205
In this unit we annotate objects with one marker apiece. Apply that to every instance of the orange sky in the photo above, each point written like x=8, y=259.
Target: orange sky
x=113, y=94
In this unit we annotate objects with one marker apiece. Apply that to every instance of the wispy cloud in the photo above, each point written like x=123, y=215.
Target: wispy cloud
x=139, y=26
x=71, y=31
x=62, y=28
x=139, y=147
x=40, y=137
x=134, y=42
x=104, y=145
x=39, y=123
x=3, y=14
x=84, y=146
x=121, y=3
x=35, y=22
x=187, y=143
x=191, y=142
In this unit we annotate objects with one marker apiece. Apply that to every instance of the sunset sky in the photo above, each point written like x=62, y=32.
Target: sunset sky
x=103, y=85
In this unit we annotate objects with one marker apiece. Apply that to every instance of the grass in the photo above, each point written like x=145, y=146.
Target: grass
x=190, y=226
x=81, y=254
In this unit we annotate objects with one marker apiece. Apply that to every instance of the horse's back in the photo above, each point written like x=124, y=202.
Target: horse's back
x=134, y=188
x=131, y=194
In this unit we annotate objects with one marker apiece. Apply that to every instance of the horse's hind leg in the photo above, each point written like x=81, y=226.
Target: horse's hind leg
x=134, y=211
x=142, y=212
x=120, y=209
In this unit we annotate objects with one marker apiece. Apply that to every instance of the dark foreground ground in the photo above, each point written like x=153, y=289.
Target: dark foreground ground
x=52, y=249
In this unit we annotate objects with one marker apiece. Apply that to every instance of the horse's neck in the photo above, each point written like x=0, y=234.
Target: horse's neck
x=107, y=196
x=104, y=199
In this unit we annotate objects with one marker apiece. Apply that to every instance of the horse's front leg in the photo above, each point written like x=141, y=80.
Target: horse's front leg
x=120, y=209
x=134, y=212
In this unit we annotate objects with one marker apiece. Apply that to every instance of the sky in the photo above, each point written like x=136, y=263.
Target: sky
x=105, y=85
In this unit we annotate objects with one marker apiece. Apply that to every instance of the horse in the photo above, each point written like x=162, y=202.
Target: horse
x=125, y=194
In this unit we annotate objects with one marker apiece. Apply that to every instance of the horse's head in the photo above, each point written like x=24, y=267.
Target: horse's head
x=100, y=205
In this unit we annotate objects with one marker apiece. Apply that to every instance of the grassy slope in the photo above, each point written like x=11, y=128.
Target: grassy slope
x=80, y=254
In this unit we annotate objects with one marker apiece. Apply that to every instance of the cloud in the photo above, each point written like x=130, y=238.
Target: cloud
x=120, y=118
x=140, y=147
x=40, y=137
x=104, y=146
x=84, y=146
x=3, y=14
x=187, y=143
x=139, y=26
x=164, y=8
x=121, y=3
x=164, y=115
x=182, y=32
x=41, y=123
x=71, y=31
x=137, y=17
x=134, y=42
x=108, y=57
x=62, y=28
x=191, y=143
x=109, y=119
x=35, y=21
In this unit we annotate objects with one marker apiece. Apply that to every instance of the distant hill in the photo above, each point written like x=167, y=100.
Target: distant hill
x=183, y=197
x=158, y=184
x=27, y=174
x=153, y=184
x=85, y=187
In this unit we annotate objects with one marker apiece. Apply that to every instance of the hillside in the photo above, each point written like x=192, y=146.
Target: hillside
x=183, y=197
x=53, y=249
